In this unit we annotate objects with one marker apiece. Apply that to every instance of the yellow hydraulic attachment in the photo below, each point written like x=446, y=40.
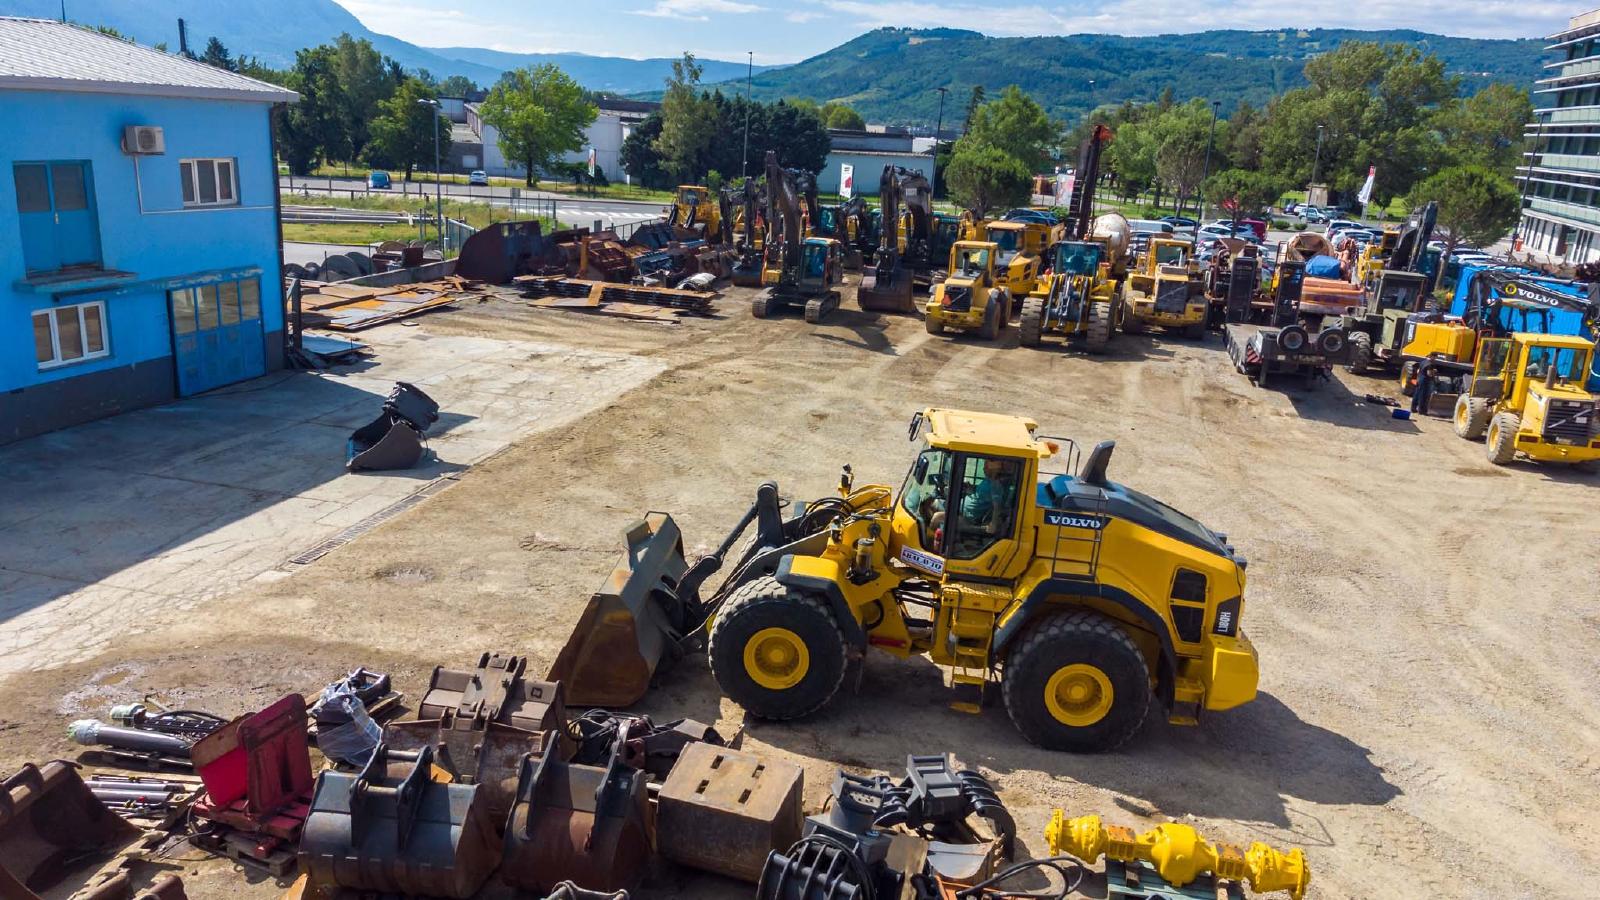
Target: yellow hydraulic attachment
x=1179, y=854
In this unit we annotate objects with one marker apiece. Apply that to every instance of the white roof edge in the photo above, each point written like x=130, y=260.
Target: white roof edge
x=268, y=93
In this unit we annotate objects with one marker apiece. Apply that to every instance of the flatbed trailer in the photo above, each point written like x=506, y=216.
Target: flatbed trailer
x=1262, y=351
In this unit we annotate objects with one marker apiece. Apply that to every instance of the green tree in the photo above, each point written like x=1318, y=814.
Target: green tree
x=1486, y=128
x=1131, y=156
x=1018, y=126
x=837, y=115
x=1241, y=190
x=638, y=154
x=364, y=80
x=403, y=132
x=313, y=129
x=217, y=55
x=688, y=121
x=457, y=86
x=1181, y=135
x=1477, y=205
x=1244, y=137
x=541, y=114
x=982, y=177
x=798, y=136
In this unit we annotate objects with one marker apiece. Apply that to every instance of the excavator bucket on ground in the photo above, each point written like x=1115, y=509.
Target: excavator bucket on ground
x=591, y=825
x=886, y=288
x=49, y=820
x=486, y=754
x=650, y=607
x=411, y=835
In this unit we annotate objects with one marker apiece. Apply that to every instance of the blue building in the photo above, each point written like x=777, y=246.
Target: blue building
x=139, y=241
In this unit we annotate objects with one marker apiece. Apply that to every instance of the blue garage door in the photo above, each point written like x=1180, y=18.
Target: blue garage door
x=217, y=337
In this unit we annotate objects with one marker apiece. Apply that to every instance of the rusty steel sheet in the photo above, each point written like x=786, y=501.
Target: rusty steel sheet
x=413, y=835
x=489, y=755
x=723, y=810
x=628, y=625
x=590, y=825
x=49, y=821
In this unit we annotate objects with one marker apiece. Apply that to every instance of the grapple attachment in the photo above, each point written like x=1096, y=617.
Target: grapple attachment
x=411, y=836
x=48, y=821
x=631, y=622
x=590, y=825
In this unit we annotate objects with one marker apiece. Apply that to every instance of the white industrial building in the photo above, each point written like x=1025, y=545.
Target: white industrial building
x=868, y=152
x=613, y=124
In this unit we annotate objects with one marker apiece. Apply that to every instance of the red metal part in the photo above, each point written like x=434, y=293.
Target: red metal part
x=257, y=770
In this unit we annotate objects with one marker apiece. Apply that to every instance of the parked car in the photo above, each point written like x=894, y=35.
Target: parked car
x=1289, y=206
x=1180, y=222
x=1338, y=225
x=479, y=177
x=1213, y=230
x=1258, y=226
x=378, y=181
x=1150, y=226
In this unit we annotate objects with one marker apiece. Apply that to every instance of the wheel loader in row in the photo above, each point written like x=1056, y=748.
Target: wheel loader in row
x=998, y=557
x=972, y=297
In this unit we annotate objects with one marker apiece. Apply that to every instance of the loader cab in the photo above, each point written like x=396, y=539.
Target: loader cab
x=973, y=261
x=1078, y=258
x=961, y=508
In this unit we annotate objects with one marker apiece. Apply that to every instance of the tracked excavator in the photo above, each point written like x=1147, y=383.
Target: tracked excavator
x=799, y=270
x=751, y=232
x=887, y=284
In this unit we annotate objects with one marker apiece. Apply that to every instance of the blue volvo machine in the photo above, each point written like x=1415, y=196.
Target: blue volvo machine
x=1573, y=308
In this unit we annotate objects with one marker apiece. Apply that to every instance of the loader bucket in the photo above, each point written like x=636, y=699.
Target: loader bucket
x=886, y=289
x=489, y=756
x=411, y=835
x=630, y=623
x=49, y=821
x=585, y=824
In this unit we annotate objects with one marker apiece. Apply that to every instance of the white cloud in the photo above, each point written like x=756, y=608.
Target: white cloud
x=696, y=10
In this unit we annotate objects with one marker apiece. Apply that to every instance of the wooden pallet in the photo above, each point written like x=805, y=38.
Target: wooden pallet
x=262, y=852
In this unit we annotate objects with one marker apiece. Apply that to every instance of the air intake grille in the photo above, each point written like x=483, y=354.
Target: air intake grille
x=1571, y=420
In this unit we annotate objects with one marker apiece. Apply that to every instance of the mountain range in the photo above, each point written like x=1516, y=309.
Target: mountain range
x=892, y=75
x=272, y=30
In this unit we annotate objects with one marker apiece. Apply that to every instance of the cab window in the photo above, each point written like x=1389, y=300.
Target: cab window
x=1492, y=355
x=1079, y=259
x=986, y=505
x=925, y=493
x=1169, y=255
x=816, y=261
x=974, y=262
x=1567, y=363
x=1005, y=240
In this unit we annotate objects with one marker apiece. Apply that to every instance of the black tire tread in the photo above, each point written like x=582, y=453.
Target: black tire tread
x=768, y=590
x=1503, y=448
x=1063, y=624
x=1030, y=330
x=1360, y=353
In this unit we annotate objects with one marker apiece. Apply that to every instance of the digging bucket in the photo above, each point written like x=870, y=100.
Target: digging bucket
x=49, y=820
x=486, y=754
x=414, y=835
x=630, y=623
x=590, y=825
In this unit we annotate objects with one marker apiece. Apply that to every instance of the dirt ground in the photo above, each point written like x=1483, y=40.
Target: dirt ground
x=1426, y=622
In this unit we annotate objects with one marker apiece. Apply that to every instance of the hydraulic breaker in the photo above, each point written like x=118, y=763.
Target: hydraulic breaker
x=1179, y=854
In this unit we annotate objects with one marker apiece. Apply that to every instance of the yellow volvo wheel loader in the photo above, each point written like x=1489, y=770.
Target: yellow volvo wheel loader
x=1526, y=395
x=997, y=558
x=971, y=297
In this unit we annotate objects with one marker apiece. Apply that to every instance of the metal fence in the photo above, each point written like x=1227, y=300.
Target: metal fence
x=456, y=233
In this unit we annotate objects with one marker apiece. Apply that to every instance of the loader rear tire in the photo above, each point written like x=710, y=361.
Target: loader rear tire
x=933, y=325
x=1076, y=681
x=1472, y=416
x=1030, y=330
x=776, y=651
x=1130, y=322
x=1501, y=446
x=992, y=311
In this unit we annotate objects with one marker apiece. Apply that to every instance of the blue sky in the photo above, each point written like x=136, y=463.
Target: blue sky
x=784, y=31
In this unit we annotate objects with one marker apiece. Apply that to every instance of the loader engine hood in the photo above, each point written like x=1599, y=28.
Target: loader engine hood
x=1122, y=502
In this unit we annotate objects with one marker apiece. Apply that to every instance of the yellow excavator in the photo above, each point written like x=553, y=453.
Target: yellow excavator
x=903, y=246
x=799, y=270
x=998, y=557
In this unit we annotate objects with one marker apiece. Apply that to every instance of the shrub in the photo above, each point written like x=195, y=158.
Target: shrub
x=1299, y=226
x=1280, y=224
x=1152, y=212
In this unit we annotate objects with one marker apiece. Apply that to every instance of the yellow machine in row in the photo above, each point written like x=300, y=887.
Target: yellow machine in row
x=970, y=298
x=1526, y=395
x=1078, y=298
x=1081, y=597
x=696, y=213
x=1178, y=855
x=1021, y=251
x=1165, y=289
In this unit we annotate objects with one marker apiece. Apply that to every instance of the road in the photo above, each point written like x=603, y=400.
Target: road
x=564, y=208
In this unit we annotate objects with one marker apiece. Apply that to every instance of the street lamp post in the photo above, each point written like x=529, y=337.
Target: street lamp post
x=1316, y=163
x=1527, y=179
x=937, y=128
x=438, y=177
x=1216, y=105
x=749, y=78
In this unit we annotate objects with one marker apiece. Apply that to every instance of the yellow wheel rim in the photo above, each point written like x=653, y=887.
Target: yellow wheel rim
x=1461, y=415
x=776, y=658
x=1078, y=695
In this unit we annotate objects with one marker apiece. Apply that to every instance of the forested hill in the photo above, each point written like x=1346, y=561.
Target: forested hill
x=890, y=75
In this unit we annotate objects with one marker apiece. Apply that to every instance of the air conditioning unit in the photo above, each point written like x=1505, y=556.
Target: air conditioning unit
x=144, y=140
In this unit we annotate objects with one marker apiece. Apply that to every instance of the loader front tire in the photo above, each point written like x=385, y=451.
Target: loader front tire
x=1098, y=334
x=1501, y=446
x=1077, y=682
x=776, y=651
x=1472, y=416
x=1030, y=330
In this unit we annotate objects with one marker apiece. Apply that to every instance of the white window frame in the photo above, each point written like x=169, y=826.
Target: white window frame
x=57, y=361
x=194, y=181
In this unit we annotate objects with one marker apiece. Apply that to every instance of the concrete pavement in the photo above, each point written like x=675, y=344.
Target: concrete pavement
x=139, y=518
